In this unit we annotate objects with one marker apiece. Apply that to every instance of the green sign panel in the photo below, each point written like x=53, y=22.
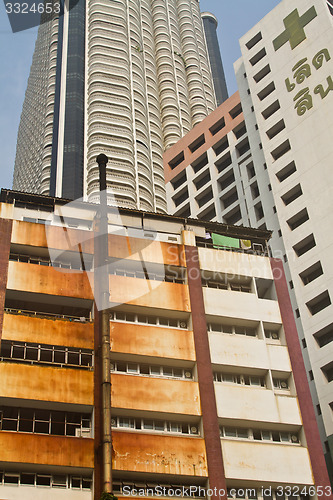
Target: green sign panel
x=294, y=32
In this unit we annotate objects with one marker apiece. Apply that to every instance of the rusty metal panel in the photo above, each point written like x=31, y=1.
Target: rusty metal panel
x=148, y=340
x=155, y=394
x=123, y=247
x=159, y=294
x=38, y=235
x=137, y=452
x=47, y=450
x=48, y=331
x=47, y=280
x=46, y=383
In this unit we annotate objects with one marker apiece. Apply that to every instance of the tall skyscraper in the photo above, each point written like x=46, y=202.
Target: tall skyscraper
x=220, y=85
x=127, y=78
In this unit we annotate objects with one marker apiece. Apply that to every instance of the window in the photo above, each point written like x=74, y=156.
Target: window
x=151, y=370
x=54, y=481
x=235, y=111
x=312, y=273
x=256, y=39
x=239, y=130
x=242, y=147
x=281, y=384
x=202, y=180
x=305, y=245
x=262, y=73
x=298, y=219
x=324, y=336
x=259, y=212
x=254, y=190
x=260, y=55
x=286, y=172
x=226, y=180
x=229, y=198
x=221, y=146
x=281, y=150
x=328, y=371
x=177, y=160
x=270, y=110
x=276, y=129
x=311, y=377
x=219, y=125
x=200, y=163
x=38, y=421
x=223, y=162
x=179, y=180
x=239, y=379
x=319, y=303
x=200, y=141
x=250, y=170
x=28, y=352
x=259, y=435
x=304, y=344
x=204, y=197
x=151, y=320
x=138, y=424
x=292, y=195
x=181, y=197
x=232, y=330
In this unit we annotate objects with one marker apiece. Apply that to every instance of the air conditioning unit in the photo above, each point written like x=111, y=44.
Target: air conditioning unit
x=284, y=385
x=194, y=430
x=188, y=375
x=113, y=422
x=85, y=432
x=183, y=324
x=275, y=336
x=294, y=438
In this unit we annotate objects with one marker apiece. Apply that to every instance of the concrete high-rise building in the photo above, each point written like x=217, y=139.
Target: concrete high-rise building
x=264, y=159
x=127, y=78
x=208, y=385
x=215, y=59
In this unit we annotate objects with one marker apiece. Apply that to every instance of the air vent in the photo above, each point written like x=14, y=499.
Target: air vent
x=194, y=430
x=188, y=375
x=111, y=366
x=275, y=336
x=183, y=324
x=284, y=385
x=113, y=422
x=294, y=438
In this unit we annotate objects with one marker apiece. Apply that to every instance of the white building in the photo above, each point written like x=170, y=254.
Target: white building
x=285, y=83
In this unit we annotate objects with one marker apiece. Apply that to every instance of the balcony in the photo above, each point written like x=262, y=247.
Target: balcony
x=249, y=403
x=149, y=293
x=156, y=454
x=48, y=450
x=147, y=340
x=266, y=462
x=38, y=383
x=133, y=392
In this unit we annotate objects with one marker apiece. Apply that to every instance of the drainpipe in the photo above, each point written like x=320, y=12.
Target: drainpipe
x=101, y=281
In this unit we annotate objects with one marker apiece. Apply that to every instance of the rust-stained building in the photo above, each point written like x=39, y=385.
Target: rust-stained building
x=208, y=384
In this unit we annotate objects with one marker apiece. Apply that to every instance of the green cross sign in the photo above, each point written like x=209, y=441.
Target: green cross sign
x=294, y=32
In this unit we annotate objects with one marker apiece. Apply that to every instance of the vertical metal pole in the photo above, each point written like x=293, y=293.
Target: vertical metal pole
x=101, y=281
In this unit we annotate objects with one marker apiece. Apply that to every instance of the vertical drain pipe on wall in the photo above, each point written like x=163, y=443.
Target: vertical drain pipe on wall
x=216, y=474
x=103, y=482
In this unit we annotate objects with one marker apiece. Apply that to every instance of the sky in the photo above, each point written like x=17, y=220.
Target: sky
x=235, y=18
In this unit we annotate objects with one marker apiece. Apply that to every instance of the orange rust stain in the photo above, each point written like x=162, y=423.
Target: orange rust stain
x=150, y=340
x=147, y=293
x=46, y=383
x=159, y=454
x=48, y=280
x=50, y=450
x=155, y=394
x=28, y=233
x=124, y=247
x=48, y=331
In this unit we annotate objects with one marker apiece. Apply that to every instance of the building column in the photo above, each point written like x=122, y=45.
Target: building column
x=319, y=470
x=6, y=233
x=211, y=429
